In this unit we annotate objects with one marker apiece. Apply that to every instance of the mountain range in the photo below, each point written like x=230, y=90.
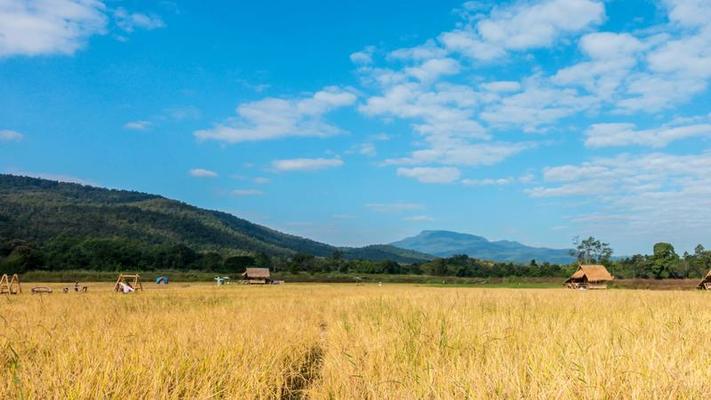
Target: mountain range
x=40, y=210
x=446, y=243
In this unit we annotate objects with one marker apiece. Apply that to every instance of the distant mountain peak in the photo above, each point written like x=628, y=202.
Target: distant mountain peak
x=443, y=243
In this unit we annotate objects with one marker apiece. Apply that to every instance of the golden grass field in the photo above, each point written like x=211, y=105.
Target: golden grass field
x=319, y=341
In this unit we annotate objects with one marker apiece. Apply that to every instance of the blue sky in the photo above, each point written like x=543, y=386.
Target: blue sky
x=362, y=122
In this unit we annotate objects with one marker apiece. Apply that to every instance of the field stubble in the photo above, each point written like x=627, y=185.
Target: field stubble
x=362, y=342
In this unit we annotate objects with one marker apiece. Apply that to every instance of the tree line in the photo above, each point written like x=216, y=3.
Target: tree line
x=66, y=253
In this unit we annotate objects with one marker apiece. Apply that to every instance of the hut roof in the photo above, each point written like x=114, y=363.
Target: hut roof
x=259, y=273
x=594, y=273
x=707, y=278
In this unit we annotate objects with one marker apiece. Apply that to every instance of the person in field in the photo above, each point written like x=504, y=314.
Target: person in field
x=126, y=287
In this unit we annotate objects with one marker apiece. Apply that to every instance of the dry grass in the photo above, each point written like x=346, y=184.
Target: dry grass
x=359, y=342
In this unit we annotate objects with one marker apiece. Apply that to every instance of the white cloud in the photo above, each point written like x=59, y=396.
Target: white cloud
x=509, y=180
x=7, y=135
x=363, y=57
x=246, y=192
x=502, y=86
x=652, y=92
x=689, y=12
x=626, y=174
x=688, y=56
x=138, y=125
x=658, y=194
x=609, y=45
x=129, y=21
x=260, y=180
x=431, y=70
x=427, y=51
x=488, y=181
x=522, y=26
x=367, y=149
x=381, y=137
x=202, y=173
x=306, y=164
x=539, y=104
x=181, y=113
x=37, y=27
x=418, y=218
x=612, y=58
x=443, y=110
x=431, y=174
x=626, y=134
x=461, y=153
x=275, y=118
x=47, y=27
x=469, y=44
x=678, y=60
x=394, y=207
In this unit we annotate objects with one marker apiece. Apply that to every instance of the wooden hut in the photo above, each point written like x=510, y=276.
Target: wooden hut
x=589, y=277
x=705, y=284
x=257, y=276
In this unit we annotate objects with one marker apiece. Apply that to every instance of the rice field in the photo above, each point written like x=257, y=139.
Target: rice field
x=318, y=341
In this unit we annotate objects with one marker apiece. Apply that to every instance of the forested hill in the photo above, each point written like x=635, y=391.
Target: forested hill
x=57, y=214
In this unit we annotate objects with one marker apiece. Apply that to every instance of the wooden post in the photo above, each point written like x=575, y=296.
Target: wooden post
x=116, y=285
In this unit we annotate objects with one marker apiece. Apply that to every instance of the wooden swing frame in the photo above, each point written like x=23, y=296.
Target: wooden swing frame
x=10, y=285
x=136, y=284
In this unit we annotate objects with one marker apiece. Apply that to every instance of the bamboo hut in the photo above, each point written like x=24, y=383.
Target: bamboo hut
x=705, y=284
x=257, y=276
x=589, y=277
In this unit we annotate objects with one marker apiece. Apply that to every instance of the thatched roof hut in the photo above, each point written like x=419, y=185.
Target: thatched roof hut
x=257, y=275
x=705, y=283
x=589, y=277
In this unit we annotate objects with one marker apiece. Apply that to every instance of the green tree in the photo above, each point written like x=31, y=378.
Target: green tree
x=22, y=258
x=302, y=262
x=237, y=264
x=664, y=260
x=337, y=255
x=211, y=261
x=591, y=250
x=262, y=260
x=699, y=262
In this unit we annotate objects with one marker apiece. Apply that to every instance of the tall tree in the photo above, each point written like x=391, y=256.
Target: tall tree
x=664, y=260
x=591, y=250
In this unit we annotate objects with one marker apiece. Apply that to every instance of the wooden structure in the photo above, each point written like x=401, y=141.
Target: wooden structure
x=705, y=283
x=132, y=280
x=10, y=285
x=589, y=277
x=41, y=289
x=259, y=276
